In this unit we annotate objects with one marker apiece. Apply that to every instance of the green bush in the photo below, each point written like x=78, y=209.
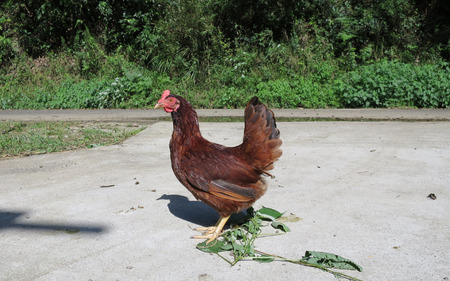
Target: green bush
x=6, y=49
x=132, y=90
x=231, y=97
x=68, y=95
x=43, y=26
x=298, y=92
x=121, y=54
x=90, y=57
x=278, y=93
x=394, y=84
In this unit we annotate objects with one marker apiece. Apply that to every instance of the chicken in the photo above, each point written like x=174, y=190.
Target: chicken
x=229, y=179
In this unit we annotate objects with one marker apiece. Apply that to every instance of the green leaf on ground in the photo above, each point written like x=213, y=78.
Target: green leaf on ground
x=268, y=214
x=215, y=246
x=281, y=226
x=329, y=260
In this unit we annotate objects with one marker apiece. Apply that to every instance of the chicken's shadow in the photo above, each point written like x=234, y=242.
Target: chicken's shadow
x=195, y=212
x=198, y=212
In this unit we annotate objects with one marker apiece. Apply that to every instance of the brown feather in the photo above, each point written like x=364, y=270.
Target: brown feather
x=226, y=178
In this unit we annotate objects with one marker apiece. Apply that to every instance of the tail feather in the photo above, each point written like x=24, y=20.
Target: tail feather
x=261, y=141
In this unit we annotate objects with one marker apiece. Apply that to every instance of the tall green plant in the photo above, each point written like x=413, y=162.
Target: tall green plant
x=394, y=84
x=90, y=56
x=6, y=49
x=185, y=45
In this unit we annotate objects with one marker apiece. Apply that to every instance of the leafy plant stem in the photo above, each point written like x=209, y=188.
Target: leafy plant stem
x=227, y=260
x=335, y=273
x=240, y=241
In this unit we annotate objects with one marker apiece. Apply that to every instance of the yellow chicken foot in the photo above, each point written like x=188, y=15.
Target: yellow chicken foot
x=206, y=230
x=211, y=233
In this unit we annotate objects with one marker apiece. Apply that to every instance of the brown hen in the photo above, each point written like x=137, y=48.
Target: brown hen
x=229, y=179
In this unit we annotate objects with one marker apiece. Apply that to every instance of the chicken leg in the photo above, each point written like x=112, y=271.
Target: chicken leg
x=212, y=232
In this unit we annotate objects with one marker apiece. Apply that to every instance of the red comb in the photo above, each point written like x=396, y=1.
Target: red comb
x=165, y=94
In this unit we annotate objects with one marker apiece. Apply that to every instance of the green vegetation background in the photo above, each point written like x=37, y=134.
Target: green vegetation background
x=219, y=53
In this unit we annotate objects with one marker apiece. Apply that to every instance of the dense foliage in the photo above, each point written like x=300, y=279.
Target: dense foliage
x=311, y=53
x=391, y=84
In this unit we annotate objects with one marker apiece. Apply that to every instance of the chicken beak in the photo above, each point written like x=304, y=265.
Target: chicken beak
x=159, y=105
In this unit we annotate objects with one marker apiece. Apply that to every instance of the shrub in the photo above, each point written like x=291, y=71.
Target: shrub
x=298, y=92
x=132, y=90
x=231, y=97
x=6, y=49
x=278, y=93
x=394, y=84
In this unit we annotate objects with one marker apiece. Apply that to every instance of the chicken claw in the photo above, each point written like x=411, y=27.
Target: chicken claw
x=206, y=230
x=212, y=232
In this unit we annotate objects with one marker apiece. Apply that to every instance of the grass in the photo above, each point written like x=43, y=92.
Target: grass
x=19, y=139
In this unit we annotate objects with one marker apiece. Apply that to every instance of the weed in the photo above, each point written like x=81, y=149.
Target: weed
x=394, y=84
x=240, y=242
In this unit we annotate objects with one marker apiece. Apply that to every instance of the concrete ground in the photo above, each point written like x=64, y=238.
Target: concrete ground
x=149, y=115
x=119, y=213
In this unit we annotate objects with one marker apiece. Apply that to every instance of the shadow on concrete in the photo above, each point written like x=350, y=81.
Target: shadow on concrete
x=195, y=212
x=9, y=219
